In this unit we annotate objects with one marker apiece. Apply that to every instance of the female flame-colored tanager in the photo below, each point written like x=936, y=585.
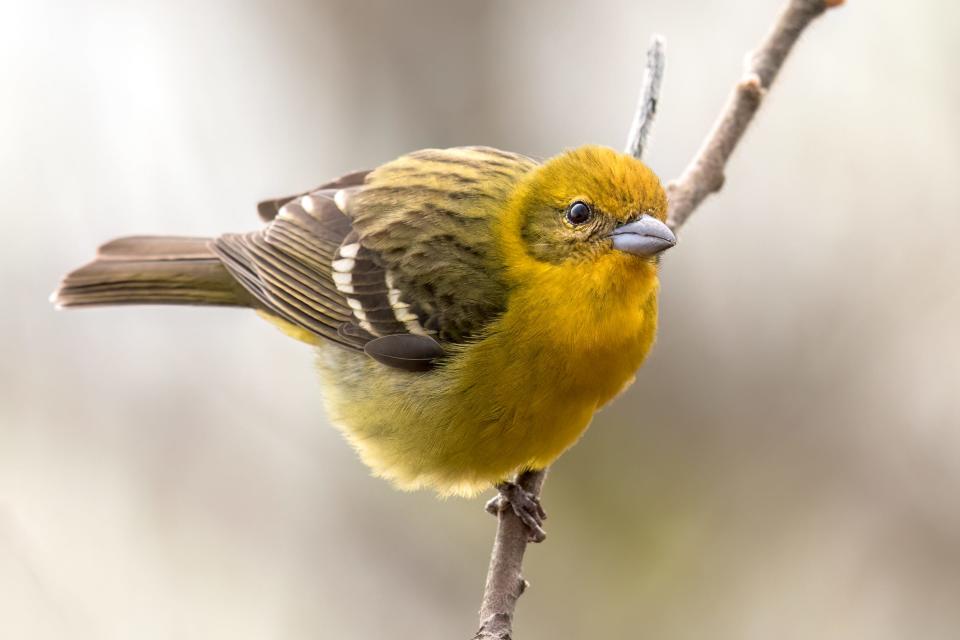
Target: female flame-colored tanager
x=471, y=308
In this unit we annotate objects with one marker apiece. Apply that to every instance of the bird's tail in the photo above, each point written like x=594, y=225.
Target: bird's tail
x=152, y=270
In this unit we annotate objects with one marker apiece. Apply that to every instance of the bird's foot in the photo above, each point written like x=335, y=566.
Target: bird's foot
x=524, y=504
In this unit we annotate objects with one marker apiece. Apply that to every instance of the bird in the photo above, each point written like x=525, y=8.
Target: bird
x=470, y=308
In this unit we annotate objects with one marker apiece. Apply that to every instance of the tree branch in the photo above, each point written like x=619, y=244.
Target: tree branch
x=505, y=583
x=649, y=97
x=703, y=176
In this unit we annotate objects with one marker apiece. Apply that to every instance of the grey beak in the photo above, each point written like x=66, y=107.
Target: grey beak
x=645, y=237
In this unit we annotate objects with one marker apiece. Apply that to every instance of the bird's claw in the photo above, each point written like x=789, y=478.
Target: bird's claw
x=524, y=504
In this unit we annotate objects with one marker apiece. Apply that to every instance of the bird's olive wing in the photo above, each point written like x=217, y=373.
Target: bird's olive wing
x=405, y=250
x=425, y=219
x=307, y=270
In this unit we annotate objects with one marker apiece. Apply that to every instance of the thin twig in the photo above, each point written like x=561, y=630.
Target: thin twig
x=703, y=176
x=646, y=111
x=705, y=173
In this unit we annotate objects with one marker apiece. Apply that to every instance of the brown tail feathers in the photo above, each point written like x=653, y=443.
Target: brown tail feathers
x=152, y=270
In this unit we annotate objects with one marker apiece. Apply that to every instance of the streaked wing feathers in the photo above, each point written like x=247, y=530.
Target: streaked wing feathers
x=404, y=249
x=427, y=218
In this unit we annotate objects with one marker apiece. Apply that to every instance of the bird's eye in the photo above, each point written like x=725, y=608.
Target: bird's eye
x=578, y=213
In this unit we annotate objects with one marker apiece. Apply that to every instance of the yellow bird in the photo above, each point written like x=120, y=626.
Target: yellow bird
x=471, y=308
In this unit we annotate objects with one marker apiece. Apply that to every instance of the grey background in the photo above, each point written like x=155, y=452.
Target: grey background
x=786, y=466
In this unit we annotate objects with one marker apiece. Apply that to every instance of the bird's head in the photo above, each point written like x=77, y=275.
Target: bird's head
x=591, y=218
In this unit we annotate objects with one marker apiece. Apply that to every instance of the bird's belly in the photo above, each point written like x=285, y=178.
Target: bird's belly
x=460, y=428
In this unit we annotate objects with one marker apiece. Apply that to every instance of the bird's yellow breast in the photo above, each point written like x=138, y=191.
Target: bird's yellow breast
x=567, y=347
x=515, y=398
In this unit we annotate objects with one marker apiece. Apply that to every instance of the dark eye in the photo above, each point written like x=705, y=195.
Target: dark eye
x=578, y=213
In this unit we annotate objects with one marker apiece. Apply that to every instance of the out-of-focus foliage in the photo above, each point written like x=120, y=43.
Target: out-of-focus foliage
x=786, y=466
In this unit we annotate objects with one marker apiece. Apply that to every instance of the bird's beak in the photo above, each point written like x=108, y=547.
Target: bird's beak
x=645, y=237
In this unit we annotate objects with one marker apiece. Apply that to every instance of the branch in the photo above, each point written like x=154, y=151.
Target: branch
x=649, y=97
x=505, y=584
x=703, y=176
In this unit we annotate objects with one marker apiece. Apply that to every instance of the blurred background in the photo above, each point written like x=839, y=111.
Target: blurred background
x=787, y=465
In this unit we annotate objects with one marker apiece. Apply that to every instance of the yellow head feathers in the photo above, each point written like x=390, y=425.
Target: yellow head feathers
x=616, y=184
x=562, y=218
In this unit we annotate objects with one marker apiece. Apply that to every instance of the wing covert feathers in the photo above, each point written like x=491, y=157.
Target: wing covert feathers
x=268, y=209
